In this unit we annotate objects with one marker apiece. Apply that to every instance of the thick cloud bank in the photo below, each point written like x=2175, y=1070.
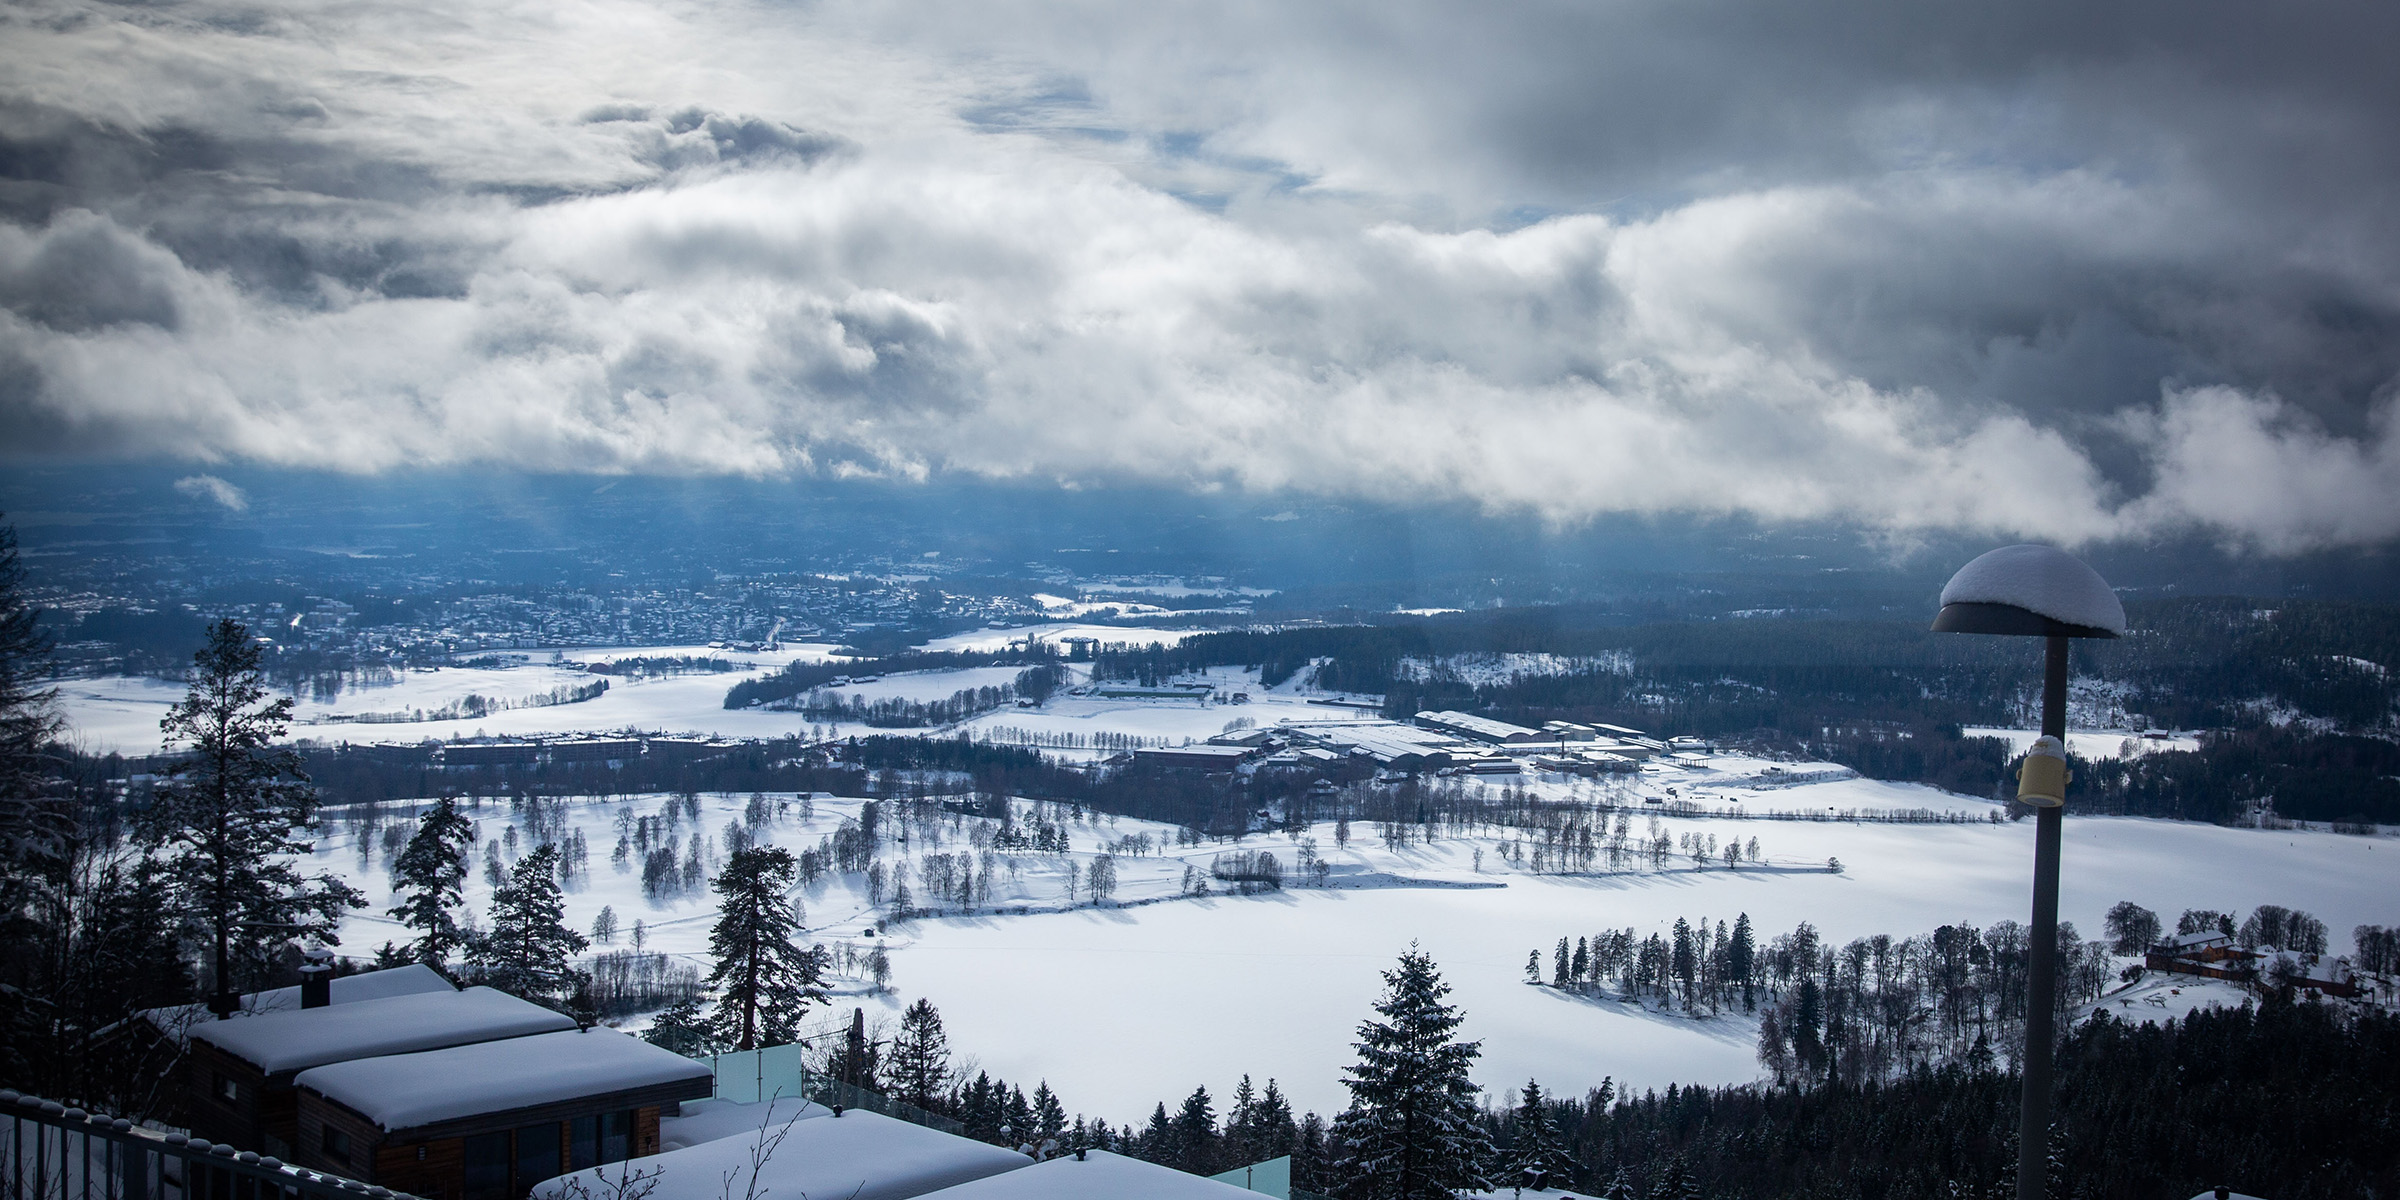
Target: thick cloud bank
x=2031, y=271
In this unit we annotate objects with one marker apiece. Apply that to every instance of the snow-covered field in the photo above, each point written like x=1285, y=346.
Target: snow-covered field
x=1123, y=1006
x=122, y=714
x=1127, y=1005
x=2094, y=743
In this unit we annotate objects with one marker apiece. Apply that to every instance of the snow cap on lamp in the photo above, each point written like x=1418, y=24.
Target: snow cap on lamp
x=2031, y=591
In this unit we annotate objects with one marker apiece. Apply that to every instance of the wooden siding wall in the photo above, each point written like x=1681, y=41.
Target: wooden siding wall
x=316, y=1114
x=210, y=1115
x=435, y=1168
x=645, y=1131
x=440, y=1175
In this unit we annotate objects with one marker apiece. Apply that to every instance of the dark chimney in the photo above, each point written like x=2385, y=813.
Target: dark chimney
x=316, y=980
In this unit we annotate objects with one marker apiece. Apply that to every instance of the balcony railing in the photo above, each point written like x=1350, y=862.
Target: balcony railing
x=49, y=1151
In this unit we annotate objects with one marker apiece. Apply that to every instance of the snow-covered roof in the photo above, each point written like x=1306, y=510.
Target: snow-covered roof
x=1100, y=1176
x=2040, y=579
x=412, y=980
x=1479, y=726
x=297, y=1039
x=2309, y=966
x=856, y=1156
x=709, y=1120
x=405, y=1091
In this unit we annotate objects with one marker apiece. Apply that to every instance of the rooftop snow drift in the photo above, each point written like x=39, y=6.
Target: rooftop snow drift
x=407, y=1091
x=856, y=1156
x=1101, y=1176
x=298, y=1039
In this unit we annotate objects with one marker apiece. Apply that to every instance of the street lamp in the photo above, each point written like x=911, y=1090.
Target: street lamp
x=2037, y=591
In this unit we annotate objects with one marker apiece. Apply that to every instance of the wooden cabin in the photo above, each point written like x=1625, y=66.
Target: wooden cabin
x=488, y=1121
x=238, y=1075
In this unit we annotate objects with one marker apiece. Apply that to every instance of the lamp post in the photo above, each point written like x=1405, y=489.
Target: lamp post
x=2037, y=591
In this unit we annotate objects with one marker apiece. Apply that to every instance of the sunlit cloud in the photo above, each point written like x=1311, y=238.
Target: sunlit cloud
x=1248, y=248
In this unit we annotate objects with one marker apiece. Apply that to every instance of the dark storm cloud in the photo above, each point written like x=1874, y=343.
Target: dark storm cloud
x=2069, y=271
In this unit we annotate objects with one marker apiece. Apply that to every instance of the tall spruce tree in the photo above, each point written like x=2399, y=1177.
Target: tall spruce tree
x=1196, y=1133
x=1537, y=1159
x=36, y=822
x=1049, y=1116
x=36, y=828
x=431, y=875
x=1272, y=1125
x=1156, y=1142
x=1741, y=961
x=764, y=980
x=1241, y=1124
x=920, y=1068
x=235, y=821
x=529, y=949
x=1411, y=1131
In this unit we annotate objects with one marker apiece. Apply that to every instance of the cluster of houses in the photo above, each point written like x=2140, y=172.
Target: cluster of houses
x=1447, y=743
x=401, y=1080
x=536, y=751
x=2213, y=955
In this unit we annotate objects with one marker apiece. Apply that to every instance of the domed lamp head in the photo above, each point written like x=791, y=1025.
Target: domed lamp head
x=2030, y=591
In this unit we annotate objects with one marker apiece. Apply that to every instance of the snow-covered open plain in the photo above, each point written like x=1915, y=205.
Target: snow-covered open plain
x=1123, y=1006
x=121, y=713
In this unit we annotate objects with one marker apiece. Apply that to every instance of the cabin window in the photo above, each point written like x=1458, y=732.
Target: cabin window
x=487, y=1166
x=583, y=1143
x=537, y=1155
x=616, y=1136
x=335, y=1144
x=228, y=1090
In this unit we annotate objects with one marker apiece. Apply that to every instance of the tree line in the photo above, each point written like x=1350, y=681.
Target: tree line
x=2283, y=1097
x=799, y=678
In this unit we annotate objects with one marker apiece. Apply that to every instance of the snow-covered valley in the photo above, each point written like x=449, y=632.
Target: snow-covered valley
x=1122, y=1005
x=1155, y=990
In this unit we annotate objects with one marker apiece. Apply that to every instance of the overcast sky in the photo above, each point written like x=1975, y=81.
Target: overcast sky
x=2067, y=271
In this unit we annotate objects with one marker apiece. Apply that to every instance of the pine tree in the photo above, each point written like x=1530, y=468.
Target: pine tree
x=37, y=843
x=432, y=874
x=1742, y=960
x=1619, y=1187
x=1675, y=1182
x=528, y=950
x=1241, y=1124
x=1156, y=1142
x=680, y=1027
x=1411, y=1132
x=1537, y=1159
x=233, y=825
x=36, y=824
x=921, y=1056
x=1271, y=1125
x=1311, y=1155
x=764, y=980
x=1019, y=1115
x=977, y=1110
x=1196, y=1134
x=1049, y=1116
